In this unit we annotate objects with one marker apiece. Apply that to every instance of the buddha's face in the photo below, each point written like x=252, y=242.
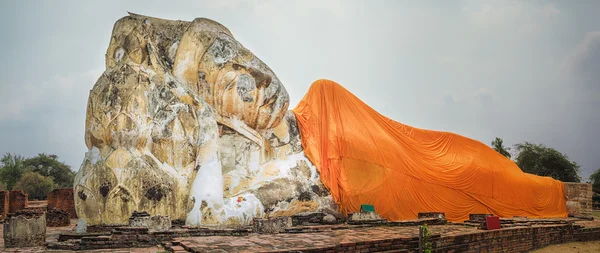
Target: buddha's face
x=212, y=64
x=228, y=76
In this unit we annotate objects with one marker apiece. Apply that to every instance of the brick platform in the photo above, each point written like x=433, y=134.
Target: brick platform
x=526, y=234
x=445, y=238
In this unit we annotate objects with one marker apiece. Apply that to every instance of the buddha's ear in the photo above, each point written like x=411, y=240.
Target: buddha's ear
x=128, y=43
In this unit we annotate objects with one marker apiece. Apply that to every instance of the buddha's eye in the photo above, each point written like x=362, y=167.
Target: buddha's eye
x=245, y=84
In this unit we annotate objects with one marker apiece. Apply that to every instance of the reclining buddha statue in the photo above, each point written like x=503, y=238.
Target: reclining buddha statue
x=185, y=122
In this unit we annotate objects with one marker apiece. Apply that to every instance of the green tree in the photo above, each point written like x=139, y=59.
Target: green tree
x=544, y=161
x=35, y=185
x=595, y=178
x=11, y=170
x=49, y=166
x=498, y=145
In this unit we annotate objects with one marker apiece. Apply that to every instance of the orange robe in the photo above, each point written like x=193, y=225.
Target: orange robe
x=364, y=157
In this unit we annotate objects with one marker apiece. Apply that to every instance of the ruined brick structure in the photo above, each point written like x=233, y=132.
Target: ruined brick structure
x=57, y=218
x=579, y=198
x=4, y=203
x=62, y=199
x=18, y=200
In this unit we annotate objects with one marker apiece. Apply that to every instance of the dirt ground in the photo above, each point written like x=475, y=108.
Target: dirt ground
x=573, y=247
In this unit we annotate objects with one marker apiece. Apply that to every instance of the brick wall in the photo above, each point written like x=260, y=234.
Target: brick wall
x=521, y=239
x=502, y=240
x=4, y=203
x=62, y=199
x=579, y=198
x=515, y=239
x=17, y=201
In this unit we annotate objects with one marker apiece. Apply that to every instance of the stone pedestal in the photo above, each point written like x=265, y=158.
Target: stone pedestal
x=271, y=225
x=365, y=218
x=156, y=222
x=435, y=215
x=307, y=219
x=25, y=229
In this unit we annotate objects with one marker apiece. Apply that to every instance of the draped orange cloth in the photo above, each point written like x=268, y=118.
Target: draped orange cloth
x=364, y=157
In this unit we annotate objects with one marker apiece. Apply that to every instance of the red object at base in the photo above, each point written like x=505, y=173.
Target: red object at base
x=492, y=222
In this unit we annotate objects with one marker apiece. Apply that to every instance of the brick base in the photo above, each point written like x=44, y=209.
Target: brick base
x=516, y=239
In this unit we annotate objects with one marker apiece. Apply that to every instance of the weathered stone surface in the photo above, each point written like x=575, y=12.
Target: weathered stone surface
x=579, y=198
x=25, y=229
x=437, y=215
x=365, y=218
x=81, y=227
x=315, y=218
x=479, y=217
x=62, y=199
x=187, y=123
x=272, y=225
x=329, y=219
x=307, y=219
x=155, y=222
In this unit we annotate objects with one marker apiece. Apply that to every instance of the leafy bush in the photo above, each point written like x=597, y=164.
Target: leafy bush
x=427, y=245
x=35, y=185
x=50, y=166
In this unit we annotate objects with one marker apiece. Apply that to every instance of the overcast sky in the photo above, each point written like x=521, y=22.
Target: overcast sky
x=519, y=70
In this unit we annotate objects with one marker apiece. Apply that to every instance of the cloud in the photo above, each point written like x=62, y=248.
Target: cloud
x=581, y=66
x=476, y=97
x=21, y=101
x=526, y=17
x=488, y=69
x=47, y=117
x=268, y=8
